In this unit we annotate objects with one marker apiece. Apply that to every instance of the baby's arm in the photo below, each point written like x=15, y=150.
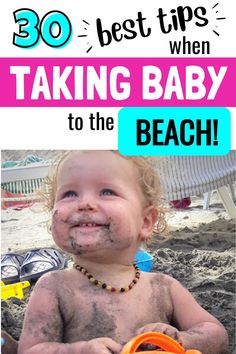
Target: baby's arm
x=197, y=329
x=43, y=326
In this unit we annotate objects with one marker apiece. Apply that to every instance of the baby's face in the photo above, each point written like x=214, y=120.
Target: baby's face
x=99, y=205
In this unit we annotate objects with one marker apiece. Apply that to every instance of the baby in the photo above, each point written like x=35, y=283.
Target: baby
x=104, y=206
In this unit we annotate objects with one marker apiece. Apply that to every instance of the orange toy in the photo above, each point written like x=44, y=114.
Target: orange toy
x=169, y=345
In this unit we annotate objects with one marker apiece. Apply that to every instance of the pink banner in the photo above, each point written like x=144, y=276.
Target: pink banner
x=117, y=82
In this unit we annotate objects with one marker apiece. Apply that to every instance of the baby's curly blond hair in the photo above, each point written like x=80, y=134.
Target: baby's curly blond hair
x=148, y=179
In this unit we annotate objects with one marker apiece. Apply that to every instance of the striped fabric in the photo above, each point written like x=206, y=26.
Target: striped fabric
x=185, y=176
x=24, y=186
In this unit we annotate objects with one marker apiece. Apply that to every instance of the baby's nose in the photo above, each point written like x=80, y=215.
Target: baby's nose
x=86, y=207
x=87, y=204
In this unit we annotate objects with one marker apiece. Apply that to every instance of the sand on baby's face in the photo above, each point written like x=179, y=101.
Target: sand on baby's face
x=198, y=249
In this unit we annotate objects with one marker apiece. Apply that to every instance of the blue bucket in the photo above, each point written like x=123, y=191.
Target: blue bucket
x=144, y=260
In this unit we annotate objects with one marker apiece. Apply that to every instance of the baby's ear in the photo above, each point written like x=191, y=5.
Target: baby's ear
x=150, y=215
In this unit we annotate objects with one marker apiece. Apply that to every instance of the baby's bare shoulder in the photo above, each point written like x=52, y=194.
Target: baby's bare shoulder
x=51, y=282
x=49, y=293
x=171, y=286
x=161, y=280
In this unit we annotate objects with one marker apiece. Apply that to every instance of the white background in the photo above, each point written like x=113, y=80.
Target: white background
x=47, y=128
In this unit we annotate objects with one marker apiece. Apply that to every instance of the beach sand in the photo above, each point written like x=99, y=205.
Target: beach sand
x=198, y=249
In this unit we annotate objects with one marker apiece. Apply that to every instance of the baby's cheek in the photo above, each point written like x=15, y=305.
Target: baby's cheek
x=60, y=217
x=63, y=209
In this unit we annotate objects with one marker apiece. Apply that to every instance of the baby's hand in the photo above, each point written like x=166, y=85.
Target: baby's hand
x=101, y=345
x=10, y=345
x=160, y=327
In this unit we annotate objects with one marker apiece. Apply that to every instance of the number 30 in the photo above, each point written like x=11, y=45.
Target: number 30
x=54, y=29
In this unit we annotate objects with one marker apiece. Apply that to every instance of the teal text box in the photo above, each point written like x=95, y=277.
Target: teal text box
x=174, y=131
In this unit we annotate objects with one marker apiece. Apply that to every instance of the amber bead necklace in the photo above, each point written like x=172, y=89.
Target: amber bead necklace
x=105, y=286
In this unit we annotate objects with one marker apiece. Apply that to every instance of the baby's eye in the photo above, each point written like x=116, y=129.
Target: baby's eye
x=107, y=192
x=69, y=194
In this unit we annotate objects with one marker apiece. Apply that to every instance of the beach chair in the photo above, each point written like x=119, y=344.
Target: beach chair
x=19, y=184
x=187, y=176
x=227, y=196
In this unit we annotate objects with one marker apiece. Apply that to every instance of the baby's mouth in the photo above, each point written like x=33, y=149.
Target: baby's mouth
x=90, y=226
